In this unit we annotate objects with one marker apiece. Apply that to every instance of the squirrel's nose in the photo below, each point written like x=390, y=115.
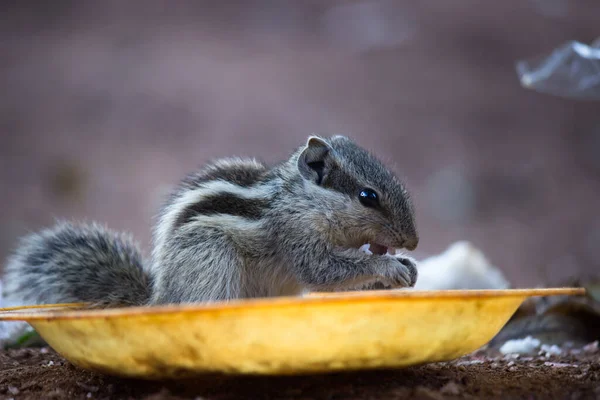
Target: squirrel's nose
x=411, y=243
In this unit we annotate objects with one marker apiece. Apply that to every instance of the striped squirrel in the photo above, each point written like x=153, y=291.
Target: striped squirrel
x=327, y=219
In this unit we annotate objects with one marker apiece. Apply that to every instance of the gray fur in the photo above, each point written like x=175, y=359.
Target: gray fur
x=306, y=237
x=76, y=263
x=238, y=229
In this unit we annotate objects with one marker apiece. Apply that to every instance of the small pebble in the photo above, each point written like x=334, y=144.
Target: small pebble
x=559, y=365
x=450, y=388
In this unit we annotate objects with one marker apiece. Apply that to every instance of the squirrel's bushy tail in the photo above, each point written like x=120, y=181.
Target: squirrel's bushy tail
x=76, y=263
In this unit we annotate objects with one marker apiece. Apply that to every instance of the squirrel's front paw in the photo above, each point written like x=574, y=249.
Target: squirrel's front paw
x=400, y=271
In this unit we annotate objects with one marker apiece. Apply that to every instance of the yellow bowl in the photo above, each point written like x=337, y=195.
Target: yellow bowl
x=317, y=333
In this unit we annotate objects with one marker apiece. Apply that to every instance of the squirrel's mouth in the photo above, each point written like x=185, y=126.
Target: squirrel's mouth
x=376, y=248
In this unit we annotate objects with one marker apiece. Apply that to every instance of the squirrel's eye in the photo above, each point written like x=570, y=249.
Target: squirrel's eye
x=368, y=198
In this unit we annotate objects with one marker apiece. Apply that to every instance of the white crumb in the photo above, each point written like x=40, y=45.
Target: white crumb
x=591, y=347
x=526, y=345
x=469, y=362
x=550, y=350
x=460, y=266
x=365, y=248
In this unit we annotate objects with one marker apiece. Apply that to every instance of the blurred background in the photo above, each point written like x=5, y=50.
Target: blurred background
x=106, y=104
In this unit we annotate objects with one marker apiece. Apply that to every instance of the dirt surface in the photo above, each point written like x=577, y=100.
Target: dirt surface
x=41, y=374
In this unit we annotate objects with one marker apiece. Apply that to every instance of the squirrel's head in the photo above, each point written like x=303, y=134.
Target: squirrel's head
x=361, y=199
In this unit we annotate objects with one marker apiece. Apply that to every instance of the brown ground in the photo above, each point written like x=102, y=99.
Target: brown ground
x=41, y=374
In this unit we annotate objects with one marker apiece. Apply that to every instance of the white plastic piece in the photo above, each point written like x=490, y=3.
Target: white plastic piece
x=572, y=70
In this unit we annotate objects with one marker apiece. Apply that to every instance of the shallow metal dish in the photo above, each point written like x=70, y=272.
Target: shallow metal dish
x=318, y=333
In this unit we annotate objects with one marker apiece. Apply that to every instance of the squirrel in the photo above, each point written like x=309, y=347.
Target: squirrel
x=329, y=218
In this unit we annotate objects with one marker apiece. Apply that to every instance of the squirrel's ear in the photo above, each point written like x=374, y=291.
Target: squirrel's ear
x=312, y=162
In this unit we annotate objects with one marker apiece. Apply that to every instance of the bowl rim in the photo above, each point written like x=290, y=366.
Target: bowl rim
x=76, y=311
